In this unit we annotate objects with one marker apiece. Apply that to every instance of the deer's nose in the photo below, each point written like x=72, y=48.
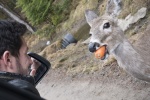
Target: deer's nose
x=92, y=46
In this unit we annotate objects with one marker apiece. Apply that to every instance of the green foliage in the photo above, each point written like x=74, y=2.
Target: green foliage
x=60, y=11
x=49, y=12
x=56, y=19
x=35, y=10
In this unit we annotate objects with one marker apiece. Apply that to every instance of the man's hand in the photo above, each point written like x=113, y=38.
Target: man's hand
x=34, y=67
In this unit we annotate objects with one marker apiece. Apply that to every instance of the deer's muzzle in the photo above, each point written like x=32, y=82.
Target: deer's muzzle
x=93, y=46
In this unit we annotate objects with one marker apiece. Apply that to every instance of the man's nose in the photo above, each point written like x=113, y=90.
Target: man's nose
x=92, y=46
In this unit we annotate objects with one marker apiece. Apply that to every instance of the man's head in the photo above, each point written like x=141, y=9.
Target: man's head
x=13, y=48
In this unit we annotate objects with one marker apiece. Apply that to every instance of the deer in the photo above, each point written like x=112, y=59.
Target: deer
x=106, y=31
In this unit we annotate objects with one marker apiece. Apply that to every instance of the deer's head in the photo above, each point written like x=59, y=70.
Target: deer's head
x=104, y=29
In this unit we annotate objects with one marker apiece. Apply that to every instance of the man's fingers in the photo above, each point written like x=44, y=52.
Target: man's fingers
x=35, y=64
x=32, y=73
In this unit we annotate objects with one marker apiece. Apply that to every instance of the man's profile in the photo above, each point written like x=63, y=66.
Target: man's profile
x=14, y=60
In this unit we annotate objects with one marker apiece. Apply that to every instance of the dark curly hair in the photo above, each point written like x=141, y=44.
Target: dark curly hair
x=11, y=33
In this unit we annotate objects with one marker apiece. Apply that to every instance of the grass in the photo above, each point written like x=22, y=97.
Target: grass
x=63, y=59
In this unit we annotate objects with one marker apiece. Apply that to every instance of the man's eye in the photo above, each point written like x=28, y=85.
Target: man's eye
x=106, y=25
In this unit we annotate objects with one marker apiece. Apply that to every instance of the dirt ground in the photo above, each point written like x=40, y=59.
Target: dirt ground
x=96, y=86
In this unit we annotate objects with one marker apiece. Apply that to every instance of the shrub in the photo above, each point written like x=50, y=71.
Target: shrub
x=35, y=10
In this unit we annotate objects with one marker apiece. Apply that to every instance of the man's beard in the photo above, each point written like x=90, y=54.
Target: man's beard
x=20, y=68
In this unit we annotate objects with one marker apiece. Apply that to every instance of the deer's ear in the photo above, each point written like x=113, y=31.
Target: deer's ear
x=113, y=7
x=90, y=15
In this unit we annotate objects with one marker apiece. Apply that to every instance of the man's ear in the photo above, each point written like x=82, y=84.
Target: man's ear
x=7, y=58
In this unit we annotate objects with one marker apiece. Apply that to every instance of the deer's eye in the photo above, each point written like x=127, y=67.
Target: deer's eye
x=106, y=25
x=90, y=35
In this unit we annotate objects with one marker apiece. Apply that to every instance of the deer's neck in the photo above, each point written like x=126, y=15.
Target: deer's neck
x=127, y=57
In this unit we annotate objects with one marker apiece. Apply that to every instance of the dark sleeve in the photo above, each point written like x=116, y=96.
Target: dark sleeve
x=24, y=85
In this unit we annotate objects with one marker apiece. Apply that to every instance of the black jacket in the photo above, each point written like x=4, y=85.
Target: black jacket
x=18, y=80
